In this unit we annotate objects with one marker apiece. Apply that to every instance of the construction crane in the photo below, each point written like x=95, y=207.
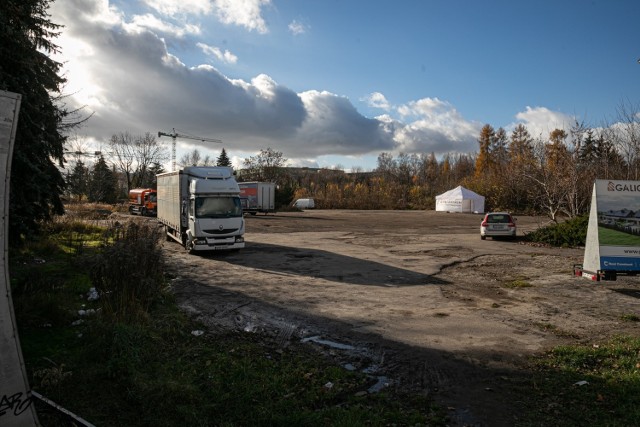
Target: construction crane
x=175, y=135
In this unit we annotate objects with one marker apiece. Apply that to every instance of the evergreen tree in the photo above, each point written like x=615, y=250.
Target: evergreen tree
x=500, y=149
x=223, y=159
x=155, y=169
x=521, y=145
x=485, y=141
x=26, y=68
x=102, y=185
x=78, y=181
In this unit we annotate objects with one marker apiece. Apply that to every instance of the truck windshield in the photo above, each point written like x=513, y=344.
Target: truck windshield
x=218, y=207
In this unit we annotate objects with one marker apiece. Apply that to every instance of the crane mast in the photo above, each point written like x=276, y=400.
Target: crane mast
x=175, y=135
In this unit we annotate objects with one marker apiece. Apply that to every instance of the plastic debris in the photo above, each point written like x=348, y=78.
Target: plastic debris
x=93, y=295
x=197, y=333
x=328, y=385
x=88, y=312
x=581, y=383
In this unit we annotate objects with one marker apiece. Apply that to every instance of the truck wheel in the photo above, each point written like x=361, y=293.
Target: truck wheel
x=131, y=210
x=188, y=247
x=483, y=237
x=143, y=211
x=166, y=234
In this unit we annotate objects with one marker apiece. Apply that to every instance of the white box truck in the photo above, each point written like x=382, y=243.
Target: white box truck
x=200, y=208
x=257, y=197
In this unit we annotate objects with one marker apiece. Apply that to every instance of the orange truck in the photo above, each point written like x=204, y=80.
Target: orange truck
x=143, y=201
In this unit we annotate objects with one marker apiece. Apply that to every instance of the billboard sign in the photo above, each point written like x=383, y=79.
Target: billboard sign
x=613, y=235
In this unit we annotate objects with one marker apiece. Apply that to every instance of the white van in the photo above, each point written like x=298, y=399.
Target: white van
x=304, y=204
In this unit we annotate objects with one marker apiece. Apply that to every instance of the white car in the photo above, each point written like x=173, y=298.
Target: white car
x=498, y=224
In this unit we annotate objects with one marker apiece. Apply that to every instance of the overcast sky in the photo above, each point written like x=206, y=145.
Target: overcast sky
x=337, y=82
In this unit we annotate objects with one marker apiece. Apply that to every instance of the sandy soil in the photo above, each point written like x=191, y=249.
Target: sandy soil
x=414, y=298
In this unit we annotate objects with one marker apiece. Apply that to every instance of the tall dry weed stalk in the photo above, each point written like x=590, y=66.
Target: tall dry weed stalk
x=128, y=272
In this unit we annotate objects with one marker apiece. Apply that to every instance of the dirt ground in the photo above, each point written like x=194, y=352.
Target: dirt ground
x=414, y=298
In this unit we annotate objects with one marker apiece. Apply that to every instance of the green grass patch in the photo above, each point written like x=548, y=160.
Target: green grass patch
x=586, y=385
x=517, y=283
x=630, y=318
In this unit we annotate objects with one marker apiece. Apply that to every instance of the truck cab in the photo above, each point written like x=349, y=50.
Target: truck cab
x=143, y=201
x=200, y=208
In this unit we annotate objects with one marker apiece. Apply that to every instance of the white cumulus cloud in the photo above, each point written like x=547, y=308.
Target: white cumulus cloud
x=297, y=28
x=244, y=13
x=540, y=121
x=218, y=53
x=173, y=7
x=377, y=100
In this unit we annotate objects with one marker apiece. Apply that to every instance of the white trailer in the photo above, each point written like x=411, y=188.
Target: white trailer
x=200, y=208
x=257, y=196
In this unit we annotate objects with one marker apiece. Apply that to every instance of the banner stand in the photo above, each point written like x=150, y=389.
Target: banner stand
x=613, y=234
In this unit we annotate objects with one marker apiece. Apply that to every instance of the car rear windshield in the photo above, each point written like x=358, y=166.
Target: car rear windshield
x=498, y=219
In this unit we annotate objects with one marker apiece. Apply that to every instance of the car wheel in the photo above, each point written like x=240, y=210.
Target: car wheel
x=483, y=237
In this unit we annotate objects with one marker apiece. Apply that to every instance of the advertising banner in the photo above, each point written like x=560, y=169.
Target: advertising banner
x=15, y=400
x=613, y=235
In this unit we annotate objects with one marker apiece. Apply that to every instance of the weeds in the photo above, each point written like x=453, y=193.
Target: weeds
x=517, y=283
x=128, y=272
x=593, y=385
x=630, y=318
x=52, y=376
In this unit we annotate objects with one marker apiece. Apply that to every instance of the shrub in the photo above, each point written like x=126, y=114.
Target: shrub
x=570, y=233
x=128, y=272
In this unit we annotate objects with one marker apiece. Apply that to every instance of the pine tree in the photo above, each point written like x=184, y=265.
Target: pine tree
x=486, y=140
x=78, y=181
x=223, y=159
x=102, y=185
x=26, y=68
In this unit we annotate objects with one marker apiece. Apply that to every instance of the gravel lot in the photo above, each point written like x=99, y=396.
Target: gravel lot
x=415, y=298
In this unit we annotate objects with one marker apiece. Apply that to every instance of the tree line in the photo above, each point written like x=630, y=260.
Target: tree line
x=133, y=161
x=515, y=171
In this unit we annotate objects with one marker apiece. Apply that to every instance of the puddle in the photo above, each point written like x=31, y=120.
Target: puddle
x=318, y=340
x=382, y=381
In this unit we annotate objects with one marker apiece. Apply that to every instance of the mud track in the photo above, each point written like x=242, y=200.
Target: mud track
x=415, y=299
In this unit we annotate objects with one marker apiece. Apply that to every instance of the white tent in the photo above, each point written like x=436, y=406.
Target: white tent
x=460, y=200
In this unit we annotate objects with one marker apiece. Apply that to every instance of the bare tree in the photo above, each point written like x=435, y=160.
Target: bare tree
x=194, y=158
x=548, y=177
x=121, y=147
x=266, y=166
x=134, y=156
x=147, y=152
x=626, y=132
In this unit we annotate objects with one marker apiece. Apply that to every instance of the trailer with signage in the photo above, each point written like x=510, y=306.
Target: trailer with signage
x=257, y=197
x=613, y=235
